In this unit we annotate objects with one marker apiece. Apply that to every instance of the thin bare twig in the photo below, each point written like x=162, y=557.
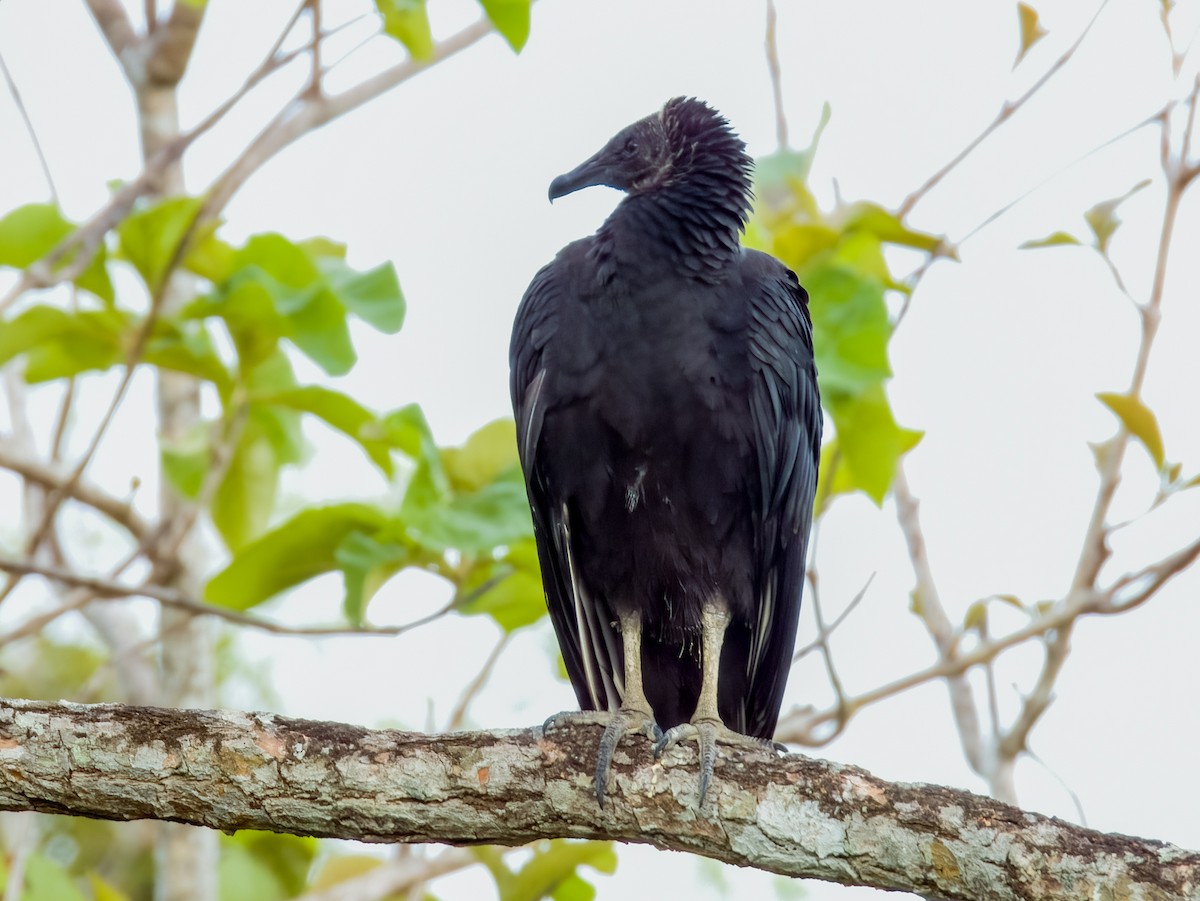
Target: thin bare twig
x=19, y=103
x=396, y=877
x=1081, y=815
x=781, y=126
x=108, y=588
x=799, y=725
x=81, y=597
x=1006, y=112
x=314, y=78
x=841, y=618
x=459, y=714
x=1186, y=150
x=933, y=614
x=304, y=113
x=844, y=712
x=52, y=478
x=114, y=24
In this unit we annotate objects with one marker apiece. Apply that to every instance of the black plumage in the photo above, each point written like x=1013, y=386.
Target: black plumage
x=669, y=428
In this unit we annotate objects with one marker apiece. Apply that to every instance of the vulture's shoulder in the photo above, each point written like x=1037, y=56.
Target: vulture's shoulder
x=778, y=303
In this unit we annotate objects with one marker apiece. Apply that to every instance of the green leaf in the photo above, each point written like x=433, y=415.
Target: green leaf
x=341, y=412
x=407, y=430
x=245, y=499
x=321, y=247
x=315, y=320
x=366, y=565
x=187, y=347
x=799, y=243
x=408, y=22
x=1138, y=420
x=1103, y=219
x=150, y=238
x=511, y=18
x=515, y=597
x=45, y=880
x=870, y=441
x=273, y=373
x=574, y=888
x=851, y=328
x=1053, y=239
x=342, y=868
x=552, y=863
x=317, y=326
x=302, y=291
x=475, y=522
x=787, y=168
x=488, y=451
x=887, y=227
x=185, y=463
x=1031, y=29
x=211, y=258
x=59, y=344
x=832, y=479
x=287, y=857
x=373, y=296
x=104, y=891
x=30, y=232
x=271, y=439
x=297, y=550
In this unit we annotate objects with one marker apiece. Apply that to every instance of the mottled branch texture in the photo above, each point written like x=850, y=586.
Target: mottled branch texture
x=790, y=814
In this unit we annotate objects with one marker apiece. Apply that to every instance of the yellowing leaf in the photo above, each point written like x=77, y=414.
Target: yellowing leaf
x=1053, y=239
x=487, y=452
x=103, y=891
x=343, y=867
x=1103, y=219
x=976, y=617
x=1138, y=420
x=408, y=22
x=1031, y=29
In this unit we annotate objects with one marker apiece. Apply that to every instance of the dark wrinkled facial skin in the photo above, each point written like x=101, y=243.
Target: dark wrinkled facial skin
x=637, y=159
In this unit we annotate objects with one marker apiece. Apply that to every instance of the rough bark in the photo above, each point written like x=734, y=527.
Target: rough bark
x=791, y=815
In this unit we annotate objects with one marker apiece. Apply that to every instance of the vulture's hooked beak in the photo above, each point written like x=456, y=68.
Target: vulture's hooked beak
x=588, y=173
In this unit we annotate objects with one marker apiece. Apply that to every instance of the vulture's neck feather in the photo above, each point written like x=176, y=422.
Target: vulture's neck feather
x=695, y=217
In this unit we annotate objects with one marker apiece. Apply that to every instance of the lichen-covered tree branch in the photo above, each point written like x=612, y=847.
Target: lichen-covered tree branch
x=792, y=814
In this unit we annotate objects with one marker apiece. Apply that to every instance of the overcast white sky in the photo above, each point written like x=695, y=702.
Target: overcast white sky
x=998, y=360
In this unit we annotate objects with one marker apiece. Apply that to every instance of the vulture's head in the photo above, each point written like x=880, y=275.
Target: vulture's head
x=685, y=137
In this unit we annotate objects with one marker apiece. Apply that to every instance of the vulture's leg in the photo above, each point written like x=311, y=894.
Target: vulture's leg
x=706, y=725
x=635, y=714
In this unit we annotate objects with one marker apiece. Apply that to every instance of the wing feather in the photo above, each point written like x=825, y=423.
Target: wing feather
x=589, y=644
x=786, y=431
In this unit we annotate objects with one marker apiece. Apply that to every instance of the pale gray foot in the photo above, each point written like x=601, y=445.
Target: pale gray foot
x=708, y=733
x=567, y=718
x=616, y=725
x=624, y=722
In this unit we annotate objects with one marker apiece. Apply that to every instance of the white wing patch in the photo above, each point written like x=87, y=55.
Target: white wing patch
x=596, y=638
x=533, y=413
x=766, y=611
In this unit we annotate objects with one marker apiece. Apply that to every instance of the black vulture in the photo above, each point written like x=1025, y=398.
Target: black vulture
x=669, y=429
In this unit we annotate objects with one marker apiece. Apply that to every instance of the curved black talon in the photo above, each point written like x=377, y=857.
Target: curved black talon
x=708, y=734
x=622, y=723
